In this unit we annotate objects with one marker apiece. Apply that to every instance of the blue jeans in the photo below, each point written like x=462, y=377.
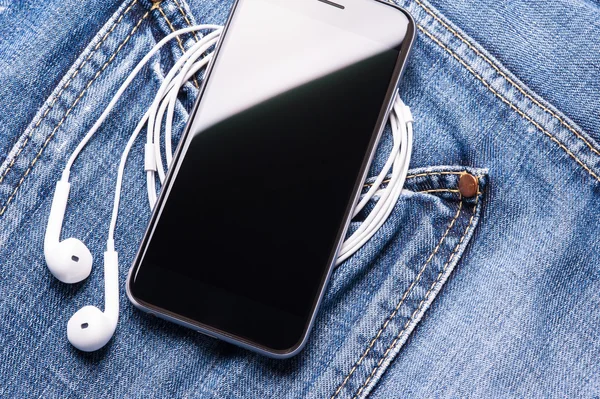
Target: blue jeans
x=494, y=295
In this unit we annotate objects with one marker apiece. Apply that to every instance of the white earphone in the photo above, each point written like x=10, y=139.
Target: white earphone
x=89, y=329
x=70, y=261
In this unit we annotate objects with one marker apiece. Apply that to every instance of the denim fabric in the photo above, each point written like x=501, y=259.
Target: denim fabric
x=491, y=296
x=552, y=47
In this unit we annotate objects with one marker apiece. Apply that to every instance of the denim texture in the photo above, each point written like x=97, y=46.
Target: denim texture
x=491, y=296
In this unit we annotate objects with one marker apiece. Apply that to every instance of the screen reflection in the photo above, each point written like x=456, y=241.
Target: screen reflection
x=250, y=224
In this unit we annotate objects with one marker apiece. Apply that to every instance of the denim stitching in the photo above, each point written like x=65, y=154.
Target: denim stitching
x=171, y=27
x=40, y=152
x=515, y=85
x=419, y=175
x=423, y=175
x=67, y=84
x=444, y=190
x=177, y=37
x=440, y=190
x=511, y=105
x=439, y=276
x=397, y=308
x=434, y=173
x=185, y=17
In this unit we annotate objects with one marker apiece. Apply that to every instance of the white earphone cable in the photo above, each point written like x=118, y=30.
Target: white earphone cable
x=122, y=89
x=401, y=123
x=173, y=85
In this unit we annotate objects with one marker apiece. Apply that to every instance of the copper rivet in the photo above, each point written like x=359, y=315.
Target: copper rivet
x=468, y=185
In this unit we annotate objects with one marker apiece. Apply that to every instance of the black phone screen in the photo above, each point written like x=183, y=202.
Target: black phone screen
x=248, y=224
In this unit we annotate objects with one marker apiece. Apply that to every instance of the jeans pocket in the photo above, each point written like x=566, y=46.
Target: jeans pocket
x=373, y=302
x=377, y=297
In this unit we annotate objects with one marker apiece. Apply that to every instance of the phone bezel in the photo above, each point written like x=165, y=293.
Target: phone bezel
x=375, y=137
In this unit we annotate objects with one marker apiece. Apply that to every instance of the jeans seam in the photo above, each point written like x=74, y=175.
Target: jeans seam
x=439, y=190
x=434, y=174
x=420, y=175
x=86, y=87
x=185, y=17
x=64, y=87
x=429, y=174
x=179, y=42
x=507, y=102
x=506, y=77
x=418, y=309
x=403, y=298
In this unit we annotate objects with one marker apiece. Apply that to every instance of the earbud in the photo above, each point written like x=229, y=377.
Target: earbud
x=70, y=260
x=90, y=329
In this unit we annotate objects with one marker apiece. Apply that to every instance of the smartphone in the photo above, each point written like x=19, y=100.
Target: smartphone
x=244, y=236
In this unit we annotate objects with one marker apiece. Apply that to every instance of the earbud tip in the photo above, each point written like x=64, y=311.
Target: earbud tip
x=89, y=329
x=70, y=261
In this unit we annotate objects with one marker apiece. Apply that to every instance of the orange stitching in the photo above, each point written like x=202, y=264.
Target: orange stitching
x=185, y=18
x=8, y=201
x=423, y=175
x=440, y=190
x=456, y=34
x=419, y=175
x=404, y=296
x=67, y=84
x=177, y=37
x=193, y=32
x=446, y=191
x=439, y=276
x=435, y=173
x=172, y=28
x=511, y=105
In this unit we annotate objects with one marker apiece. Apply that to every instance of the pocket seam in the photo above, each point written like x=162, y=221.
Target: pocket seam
x=86, y=87
x=67, y=83
x=509, y=103
x=425, y=298
x=435, y=190
x=408, y=291
x=185, y=17
x=179, y=42
x=435, y=174
x=505, y=76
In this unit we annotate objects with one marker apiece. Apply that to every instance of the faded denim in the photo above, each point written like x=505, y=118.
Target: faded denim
x=497, y=295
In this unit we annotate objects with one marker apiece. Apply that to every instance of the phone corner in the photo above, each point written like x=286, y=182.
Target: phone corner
x=411, y=25
x=129, y=293
x=290, y=352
